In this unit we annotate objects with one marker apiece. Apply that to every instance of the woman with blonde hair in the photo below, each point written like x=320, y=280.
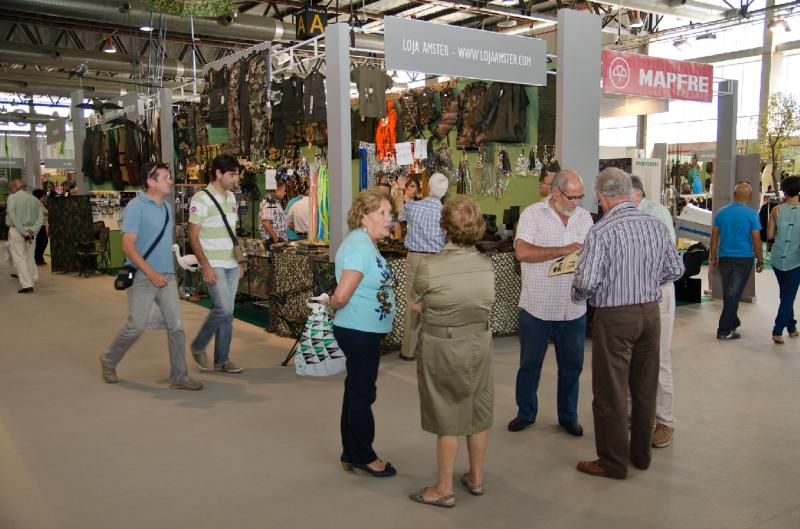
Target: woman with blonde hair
x=365, y=310
x=454, y=369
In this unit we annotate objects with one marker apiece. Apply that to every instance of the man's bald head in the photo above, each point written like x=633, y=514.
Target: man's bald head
x=15, y=186
x=567, y=178
x=742, y=192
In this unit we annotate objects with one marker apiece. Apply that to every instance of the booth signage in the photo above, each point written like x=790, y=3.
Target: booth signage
x=311, y=21
x=14, y=163
x=416, y=46
x=642, y=75
x=56, y=131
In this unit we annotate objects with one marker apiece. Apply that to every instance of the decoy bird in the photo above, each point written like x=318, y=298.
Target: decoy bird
x=80, y=71
x=187, y=262
x=99, y=106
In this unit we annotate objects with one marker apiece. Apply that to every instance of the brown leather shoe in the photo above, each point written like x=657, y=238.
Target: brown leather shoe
x=595, y=468
x=109, y=374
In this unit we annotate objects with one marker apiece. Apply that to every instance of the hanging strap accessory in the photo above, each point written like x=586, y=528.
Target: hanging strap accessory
x=238, y=253
x=127, y=272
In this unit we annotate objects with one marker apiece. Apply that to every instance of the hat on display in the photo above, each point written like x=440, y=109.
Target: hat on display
x=438, y=185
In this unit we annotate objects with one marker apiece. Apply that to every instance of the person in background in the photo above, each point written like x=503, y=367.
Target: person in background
x=784, y=227
x=454, y=366
x=24, y=219
x=365, y=308
x=546, y=181
x=548, y=232
x=425, y=236
x=42, y=235
x=298, y=216
x=626, y=257
x=409, y=187
x=291, y=235
x=665, y=420
x=735, y=240
x=213, y=246
x=154, y=281
x=273, y=220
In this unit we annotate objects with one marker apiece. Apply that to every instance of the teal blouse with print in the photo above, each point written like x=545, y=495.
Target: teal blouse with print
x=371, y=307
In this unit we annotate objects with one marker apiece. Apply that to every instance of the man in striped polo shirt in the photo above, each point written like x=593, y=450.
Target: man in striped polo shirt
x=213, y=246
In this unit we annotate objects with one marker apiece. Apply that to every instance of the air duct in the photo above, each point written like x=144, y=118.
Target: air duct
x=689, y=9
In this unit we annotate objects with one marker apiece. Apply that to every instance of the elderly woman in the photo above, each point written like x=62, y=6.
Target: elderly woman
x=784, y=227
x=365, y=303
x=455, y=289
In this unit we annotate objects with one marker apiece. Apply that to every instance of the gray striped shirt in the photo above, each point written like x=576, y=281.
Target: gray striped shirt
x=626, y=256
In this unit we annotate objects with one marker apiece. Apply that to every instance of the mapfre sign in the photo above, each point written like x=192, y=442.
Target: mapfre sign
x=642, y=75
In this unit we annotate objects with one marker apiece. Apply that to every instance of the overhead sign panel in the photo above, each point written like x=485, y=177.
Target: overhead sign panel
x=416, y=46
x=642, y=75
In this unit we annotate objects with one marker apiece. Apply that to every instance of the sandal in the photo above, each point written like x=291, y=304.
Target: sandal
x=475, y=490
x=447, y=502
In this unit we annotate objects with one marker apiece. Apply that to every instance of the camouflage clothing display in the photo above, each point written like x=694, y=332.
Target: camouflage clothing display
x=234, y=114
x=258, y=102
x=218, y=98
x=245, y=126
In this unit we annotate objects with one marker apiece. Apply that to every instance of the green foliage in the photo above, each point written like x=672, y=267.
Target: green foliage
x=197, y=8
x=781, y=121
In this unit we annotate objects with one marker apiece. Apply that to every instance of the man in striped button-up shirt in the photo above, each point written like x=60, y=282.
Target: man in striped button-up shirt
x=626, y=256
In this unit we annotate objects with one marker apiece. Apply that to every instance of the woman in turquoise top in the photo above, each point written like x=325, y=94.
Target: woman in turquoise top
x=784, y=227
x=365, y=310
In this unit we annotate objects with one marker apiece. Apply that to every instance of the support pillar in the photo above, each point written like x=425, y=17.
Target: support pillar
x=165, y=128
x=78, y=135
x=32, y=168
x=578, y=97
x=340, y=191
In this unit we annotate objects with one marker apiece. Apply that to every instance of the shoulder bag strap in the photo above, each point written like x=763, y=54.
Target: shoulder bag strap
x=224, y=217
x=160, y=234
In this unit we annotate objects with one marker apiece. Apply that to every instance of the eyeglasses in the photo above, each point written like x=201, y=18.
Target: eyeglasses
x=571, y=197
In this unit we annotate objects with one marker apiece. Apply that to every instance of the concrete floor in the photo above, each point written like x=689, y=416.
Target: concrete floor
x=261, y=449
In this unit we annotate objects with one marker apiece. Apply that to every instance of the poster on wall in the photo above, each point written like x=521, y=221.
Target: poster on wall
x=649, y=170
x=641, y=75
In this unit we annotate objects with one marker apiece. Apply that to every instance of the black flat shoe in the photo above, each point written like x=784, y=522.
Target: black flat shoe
x=28, y=290
x=365, y=470
x=572, y=427
x=346, y=463
x=518, y=424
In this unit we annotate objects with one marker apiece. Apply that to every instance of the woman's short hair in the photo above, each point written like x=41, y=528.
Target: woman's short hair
x=791, y=186
x=225, y=163
x=462, y=221
x=367, y=201
x=613, y=183
x=411, y=181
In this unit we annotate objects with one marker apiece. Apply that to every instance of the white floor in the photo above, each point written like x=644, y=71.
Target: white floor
x=260, y=450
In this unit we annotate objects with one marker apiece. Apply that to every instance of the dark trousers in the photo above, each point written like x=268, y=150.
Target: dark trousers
x=41, y=245
x=363, y=353
x=568, y=340
x=734, y=272
x=788, y=282
x=625, y=344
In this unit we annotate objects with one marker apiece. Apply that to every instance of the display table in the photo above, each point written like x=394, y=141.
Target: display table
x=299, y=276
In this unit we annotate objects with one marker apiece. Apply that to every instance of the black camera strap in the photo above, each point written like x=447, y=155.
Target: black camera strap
x=160, y=234
x=224, y=217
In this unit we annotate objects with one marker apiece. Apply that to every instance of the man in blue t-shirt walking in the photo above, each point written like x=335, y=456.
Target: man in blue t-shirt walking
x=735, y=240
x=146, y=216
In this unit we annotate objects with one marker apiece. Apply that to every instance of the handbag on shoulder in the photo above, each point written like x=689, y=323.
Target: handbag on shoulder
x=238, y=253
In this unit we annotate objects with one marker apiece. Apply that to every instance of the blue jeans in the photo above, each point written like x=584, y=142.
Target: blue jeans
x=788, y=281
x=734, y=271
x=219, y=322
x=568, y=338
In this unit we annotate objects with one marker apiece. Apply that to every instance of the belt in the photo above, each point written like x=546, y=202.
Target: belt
x=415, y=251
x=455, y=332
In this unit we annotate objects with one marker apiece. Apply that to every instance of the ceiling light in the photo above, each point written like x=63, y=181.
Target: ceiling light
x=779, y=26
x=109, y=47
x=147, y=28
x=507, y=23
x=636, y=21
x=509, y=2
x=706, y=36
x=682, y=44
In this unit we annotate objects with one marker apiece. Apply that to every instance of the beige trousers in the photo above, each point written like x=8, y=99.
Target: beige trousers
x=22, y=255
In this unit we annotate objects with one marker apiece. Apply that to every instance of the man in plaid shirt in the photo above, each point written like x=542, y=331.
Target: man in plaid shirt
x=424, y=237
x=273, y=220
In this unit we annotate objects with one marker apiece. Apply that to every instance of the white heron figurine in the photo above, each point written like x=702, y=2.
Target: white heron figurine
x=187, y=262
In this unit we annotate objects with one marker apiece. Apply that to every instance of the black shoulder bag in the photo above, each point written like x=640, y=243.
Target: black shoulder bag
x=126, y=273
x=238, y=253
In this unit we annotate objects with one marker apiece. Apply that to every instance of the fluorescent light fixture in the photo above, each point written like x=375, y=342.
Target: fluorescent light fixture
x=682, y=44
x=636, y=21
x=109, y=47
x=779, y=26
x=147, y=28
x=509, y=2
x=507, y=23
x=706, y=36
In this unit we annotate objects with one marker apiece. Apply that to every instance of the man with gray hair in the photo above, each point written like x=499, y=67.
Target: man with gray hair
x=24, y=218
x=626, y=258
x=549, y=236
x=665, y=420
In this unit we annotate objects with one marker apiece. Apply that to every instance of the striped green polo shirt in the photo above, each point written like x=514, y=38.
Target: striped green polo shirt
x=214, y=237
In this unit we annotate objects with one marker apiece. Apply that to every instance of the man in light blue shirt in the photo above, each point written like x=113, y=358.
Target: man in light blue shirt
x=735, y=240
x=147, y=216
x=424, y=236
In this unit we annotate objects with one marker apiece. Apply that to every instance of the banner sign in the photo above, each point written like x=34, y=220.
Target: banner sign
x=416, y=46
x=642, y=75
x=649, y=170
x=56, y=131
x=311, y=21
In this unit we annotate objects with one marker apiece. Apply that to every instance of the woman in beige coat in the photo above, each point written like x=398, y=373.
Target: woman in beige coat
x=455, y=293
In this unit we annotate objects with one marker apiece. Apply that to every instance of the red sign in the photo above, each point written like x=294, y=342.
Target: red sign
x=642, y=75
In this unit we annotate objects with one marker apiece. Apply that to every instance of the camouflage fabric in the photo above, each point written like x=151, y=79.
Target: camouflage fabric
x=408, y=114
x=234, y=114
x=316, y=133
x=258, y=100
x=426, y=107
x=507, y=119
x=245, y=129
x=471, y=133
